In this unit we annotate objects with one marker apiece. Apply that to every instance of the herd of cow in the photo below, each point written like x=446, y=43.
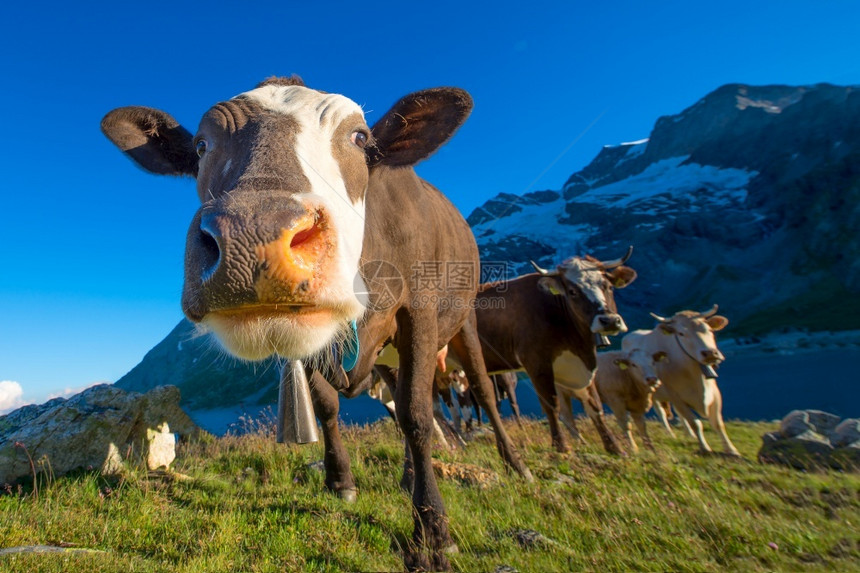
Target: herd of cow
x=628, y=381
x=298, y=195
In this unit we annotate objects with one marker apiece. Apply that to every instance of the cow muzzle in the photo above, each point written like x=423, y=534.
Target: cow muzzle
x=236, y=262
x=608, y=324
x=711, y=357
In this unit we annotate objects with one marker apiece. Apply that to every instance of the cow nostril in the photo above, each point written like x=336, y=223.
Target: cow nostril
x=304, y=236
x=210, y=253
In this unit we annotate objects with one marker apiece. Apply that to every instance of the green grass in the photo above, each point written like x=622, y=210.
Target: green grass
x=253, y=505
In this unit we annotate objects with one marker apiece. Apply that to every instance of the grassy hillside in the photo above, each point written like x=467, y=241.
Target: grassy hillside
x=253, y=505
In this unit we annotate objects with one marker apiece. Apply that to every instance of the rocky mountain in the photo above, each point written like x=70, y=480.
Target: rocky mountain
x=750, y=198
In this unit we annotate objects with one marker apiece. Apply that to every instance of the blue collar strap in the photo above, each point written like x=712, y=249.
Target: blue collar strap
x=350, y=347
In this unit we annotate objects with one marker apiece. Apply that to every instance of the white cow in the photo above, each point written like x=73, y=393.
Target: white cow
x=688, y=377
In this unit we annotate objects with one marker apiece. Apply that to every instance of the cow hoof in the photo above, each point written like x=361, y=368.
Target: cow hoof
x=527, y=475
x=451, y=549
x=348, y=495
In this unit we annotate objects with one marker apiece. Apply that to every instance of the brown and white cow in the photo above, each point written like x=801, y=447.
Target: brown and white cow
x=298, y=197
x=626, y=382
x=546, y=323
x=687, y=375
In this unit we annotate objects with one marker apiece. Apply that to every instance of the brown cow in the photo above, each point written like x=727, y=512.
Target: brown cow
x=299, y=199
x=547, y=323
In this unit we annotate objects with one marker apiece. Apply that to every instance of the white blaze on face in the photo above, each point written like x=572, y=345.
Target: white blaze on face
x=589, y=278
x=319, y=116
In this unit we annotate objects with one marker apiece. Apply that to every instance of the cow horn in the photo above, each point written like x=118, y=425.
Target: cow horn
x=538, y=269
x=711, y=312
x=618, y=262
x=658, y=317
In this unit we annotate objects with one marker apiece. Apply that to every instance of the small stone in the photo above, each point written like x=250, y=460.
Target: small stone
x=465, y=473
x=318, y=465
x=161, y=447
x=529, y=538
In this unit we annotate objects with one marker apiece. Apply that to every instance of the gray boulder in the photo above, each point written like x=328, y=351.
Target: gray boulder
x=800, y=421
x=810, y=439
x=100, y=428
x=846, y=433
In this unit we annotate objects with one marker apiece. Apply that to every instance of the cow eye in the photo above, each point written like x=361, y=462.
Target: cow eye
x=359, y=138
x=200, y=147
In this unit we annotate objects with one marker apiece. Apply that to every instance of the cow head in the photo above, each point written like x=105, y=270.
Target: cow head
x=272, y=255
x=587, y=286
x=694, y=332
x=642, y=367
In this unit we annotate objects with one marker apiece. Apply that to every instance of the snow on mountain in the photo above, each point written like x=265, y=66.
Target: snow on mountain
x=668, y=181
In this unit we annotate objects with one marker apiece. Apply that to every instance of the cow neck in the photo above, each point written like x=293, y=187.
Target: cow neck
x=684, y=350
x=572, y=332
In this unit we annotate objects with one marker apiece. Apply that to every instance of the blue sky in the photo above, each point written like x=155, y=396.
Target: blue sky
x=91, y=249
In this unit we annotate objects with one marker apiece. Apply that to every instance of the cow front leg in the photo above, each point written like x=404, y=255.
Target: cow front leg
x=454, y=408
x=565, y=414
x=694, y=423
x=413, y=398
x=639, y=420
x=715, y=415
x=622, y=418
x=594, y=408
x=515, y=407
x=660, y=409
x=338, y=476
x=467, y=346
x=544, y=382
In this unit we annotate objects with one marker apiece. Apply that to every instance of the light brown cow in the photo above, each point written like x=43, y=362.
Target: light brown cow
x=626, y=382
x=302, y=204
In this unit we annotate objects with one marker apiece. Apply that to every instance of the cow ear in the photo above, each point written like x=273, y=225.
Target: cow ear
x=622, y=363
x=620, y=277
x=153, y=139
x=666, y=328
x=659, y=356
x=550, y=285
x=417, y=125
x=717, y=322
